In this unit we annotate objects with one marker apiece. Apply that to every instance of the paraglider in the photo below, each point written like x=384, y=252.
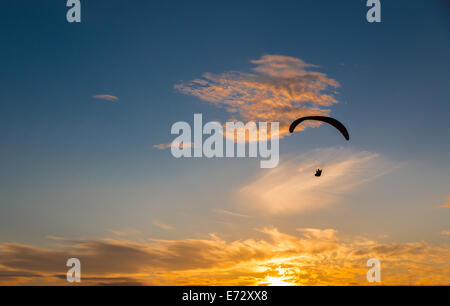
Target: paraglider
x=318, y=172
x=331, y=121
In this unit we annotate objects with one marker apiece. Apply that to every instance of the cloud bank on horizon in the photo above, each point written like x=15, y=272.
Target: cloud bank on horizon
x=311, y=256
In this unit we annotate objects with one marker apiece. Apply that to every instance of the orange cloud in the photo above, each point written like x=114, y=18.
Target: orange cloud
x=281, y=88
x=447, y=205
x=315, y=257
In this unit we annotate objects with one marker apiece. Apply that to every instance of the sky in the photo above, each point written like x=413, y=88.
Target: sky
x=86, y=169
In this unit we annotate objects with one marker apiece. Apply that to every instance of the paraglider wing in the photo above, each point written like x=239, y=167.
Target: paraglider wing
x=329, y=120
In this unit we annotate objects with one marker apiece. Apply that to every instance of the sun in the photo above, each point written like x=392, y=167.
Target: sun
x=277, y=281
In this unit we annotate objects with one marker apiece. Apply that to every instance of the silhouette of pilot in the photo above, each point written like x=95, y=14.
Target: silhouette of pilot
x=318, y=172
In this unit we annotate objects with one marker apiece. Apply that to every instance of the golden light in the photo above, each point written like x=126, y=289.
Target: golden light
x=277, y=281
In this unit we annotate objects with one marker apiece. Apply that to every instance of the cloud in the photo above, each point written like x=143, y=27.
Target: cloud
x=280, y=88
x=106, y=281
x=231, y=213
x=106, y=97
x=14, y=274
x=311, y=257
x=285, y=190
x=445, y=233
x=162, y=225
x=447, y=205
x=126, y=232
x=327, y=234
x=164, y=146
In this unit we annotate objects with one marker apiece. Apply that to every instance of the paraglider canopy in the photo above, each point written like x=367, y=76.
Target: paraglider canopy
x=331, y=121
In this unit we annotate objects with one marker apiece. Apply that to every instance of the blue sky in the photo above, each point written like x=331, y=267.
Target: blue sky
x=72, y=165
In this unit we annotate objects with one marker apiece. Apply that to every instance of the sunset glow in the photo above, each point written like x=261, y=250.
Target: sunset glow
x=149, y=143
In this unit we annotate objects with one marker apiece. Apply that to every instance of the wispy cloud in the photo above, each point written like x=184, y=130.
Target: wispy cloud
x=164, y=146
x=231, y=213
x=280, y=88
x=285, y=190
x=314, y=233
x=106, y=97
x=162, y=225
x=447, y=205
x=445, y=233
x=125, y=232
x=314, y=257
